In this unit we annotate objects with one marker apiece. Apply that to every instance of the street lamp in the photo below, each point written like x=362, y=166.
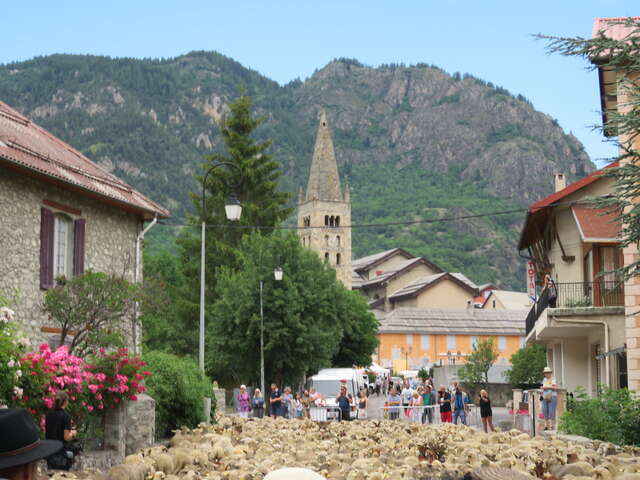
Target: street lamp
x=233, y=210
x=277, y=274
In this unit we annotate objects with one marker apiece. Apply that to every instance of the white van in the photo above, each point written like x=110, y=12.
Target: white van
x=329, y=380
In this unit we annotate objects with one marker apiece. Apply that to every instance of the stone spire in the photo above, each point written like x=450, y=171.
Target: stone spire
x=324, y=183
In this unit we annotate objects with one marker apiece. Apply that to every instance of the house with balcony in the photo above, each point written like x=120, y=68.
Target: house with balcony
x=578, y=245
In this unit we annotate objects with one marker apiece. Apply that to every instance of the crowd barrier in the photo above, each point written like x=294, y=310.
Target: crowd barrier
x=415, y=414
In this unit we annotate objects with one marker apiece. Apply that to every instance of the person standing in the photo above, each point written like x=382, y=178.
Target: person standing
x=550, y=287
x=306, y=403
x=549, y=398
x=407, y=395
x=286, y=406
x=393, y=403
x=427, y=402
x=275, y=401
x=244, y=402
x=460, y=405
x=20, y=445
x=444, y=399
x=58, y=426
x=363, y=405
x=416, y=407
x=485, y=411
x=258, y=404
x=298, y=407
x=344, y=399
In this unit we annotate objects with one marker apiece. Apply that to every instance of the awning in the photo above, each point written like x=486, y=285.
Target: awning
x=596, y=225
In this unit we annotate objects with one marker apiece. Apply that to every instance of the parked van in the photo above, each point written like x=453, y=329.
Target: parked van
x=329, y=380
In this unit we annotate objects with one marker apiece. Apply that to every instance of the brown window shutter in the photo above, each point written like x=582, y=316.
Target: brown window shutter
x=78, y=246
x=46, y=248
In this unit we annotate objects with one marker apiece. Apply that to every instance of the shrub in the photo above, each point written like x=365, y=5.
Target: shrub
x=178, y=387
x=12, y=346
x=526, y=367
x=613, y=417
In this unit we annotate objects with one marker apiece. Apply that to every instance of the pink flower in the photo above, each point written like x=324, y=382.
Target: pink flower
x=90, y=408
x=93, y=388
x=133, y=398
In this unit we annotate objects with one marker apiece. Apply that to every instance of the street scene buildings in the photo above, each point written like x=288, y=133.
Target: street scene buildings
x=322, y=353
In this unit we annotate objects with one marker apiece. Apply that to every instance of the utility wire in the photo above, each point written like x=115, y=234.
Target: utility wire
x=376, y=225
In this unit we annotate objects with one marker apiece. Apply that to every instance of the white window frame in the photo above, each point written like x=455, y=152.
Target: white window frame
x=425, y=341
x=395, y=353
x=502, y=343
x=473, y=341
x=67, y=252
x=409, y=339
x=451, y=342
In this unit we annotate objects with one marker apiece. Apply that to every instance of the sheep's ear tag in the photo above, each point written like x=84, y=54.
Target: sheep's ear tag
x=494, y=473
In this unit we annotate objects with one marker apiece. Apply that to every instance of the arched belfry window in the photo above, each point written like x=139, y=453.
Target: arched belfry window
x=326, y=220
x=326, y=257
x=338, y=243
x=331, y=221
x=326, y=240
x=337, y=259
x=337, y=221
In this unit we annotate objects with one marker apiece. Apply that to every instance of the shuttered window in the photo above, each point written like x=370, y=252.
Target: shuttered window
x=62, y=246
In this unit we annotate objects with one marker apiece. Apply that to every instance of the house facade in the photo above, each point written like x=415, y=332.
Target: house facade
x=61, y=215
x=412, y=338
x=614, y=95
x=579, y=247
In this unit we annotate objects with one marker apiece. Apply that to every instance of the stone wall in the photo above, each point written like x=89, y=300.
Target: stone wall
x=110, y=241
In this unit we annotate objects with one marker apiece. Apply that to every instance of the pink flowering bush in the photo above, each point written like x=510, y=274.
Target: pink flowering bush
x=102, y=381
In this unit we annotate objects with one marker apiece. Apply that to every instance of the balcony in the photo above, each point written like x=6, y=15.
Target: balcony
x=578, y=295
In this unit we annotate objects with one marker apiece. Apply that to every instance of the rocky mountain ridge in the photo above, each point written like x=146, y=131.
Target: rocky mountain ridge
x=413, y=142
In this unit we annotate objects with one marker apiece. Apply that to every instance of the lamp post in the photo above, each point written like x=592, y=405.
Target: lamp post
x=277, y=274
x=233, y=210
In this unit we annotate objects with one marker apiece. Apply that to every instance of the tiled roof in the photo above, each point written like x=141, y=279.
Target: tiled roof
x=512, y=300
x=367, y=262
x=27, y=147
x=392, y=273
x=468, y=321
x=571, y=188
x=428, y=281
x=538, y=213
x=596, y=225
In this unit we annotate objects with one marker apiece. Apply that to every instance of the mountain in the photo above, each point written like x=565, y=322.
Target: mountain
x=415, y=143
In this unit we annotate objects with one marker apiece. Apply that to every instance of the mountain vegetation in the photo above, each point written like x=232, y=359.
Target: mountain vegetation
x=415, y=143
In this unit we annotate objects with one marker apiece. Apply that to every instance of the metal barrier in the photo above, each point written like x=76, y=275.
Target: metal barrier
x=420, y=414
x=325, y=413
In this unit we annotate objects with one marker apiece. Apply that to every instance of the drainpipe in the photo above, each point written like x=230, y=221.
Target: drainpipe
x=606, y=341
x=136, y=279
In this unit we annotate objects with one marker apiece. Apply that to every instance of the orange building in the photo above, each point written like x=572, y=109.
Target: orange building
x=411, y=338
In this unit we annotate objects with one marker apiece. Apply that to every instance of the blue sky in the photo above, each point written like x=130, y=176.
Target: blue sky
x=284, y=40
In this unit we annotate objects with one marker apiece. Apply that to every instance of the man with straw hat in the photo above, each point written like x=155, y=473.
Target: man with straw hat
x=20, y=445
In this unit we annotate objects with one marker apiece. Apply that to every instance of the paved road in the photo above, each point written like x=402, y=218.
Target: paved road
x=501, y=417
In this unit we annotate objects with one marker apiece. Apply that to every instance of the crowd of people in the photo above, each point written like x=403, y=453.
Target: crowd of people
x=417, y=399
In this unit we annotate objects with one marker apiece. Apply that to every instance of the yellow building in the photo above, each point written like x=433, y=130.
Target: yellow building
x=411, y=338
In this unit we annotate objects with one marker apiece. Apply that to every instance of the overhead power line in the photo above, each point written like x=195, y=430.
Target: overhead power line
x=375, y=225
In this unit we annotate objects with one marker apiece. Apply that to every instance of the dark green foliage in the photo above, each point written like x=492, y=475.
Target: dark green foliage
x=153, y=121
x=476, y=368
x=423, y=374
x=310, y=319
x=94, y=305
x=613, y=417
x=178, y=387
x=526, y=367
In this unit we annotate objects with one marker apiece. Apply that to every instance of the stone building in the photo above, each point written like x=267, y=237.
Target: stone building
x=324, y=211
x=61, y=214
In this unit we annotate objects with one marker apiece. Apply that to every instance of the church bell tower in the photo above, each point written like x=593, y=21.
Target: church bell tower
x=324, y=212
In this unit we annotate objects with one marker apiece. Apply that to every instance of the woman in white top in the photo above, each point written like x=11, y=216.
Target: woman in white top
x=549, y=398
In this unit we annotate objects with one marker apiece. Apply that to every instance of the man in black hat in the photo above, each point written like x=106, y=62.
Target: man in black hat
x=20, y=445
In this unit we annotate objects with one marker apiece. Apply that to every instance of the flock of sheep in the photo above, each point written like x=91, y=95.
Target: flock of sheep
x=249, y=449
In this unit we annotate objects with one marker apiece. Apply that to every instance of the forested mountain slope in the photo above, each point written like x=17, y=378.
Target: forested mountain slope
x=414, y=143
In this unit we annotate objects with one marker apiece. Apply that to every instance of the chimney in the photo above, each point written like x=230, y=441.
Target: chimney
x=560, y=181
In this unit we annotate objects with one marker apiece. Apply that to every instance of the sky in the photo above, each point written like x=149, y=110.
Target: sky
x=491, y=39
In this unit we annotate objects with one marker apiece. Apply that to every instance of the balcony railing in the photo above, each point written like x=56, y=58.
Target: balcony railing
x=600, y=293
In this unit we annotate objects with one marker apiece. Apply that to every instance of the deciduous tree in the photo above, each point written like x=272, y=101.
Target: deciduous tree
x=526, y=366
x=476, y=369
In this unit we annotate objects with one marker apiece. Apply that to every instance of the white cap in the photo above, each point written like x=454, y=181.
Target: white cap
x=243, y=386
